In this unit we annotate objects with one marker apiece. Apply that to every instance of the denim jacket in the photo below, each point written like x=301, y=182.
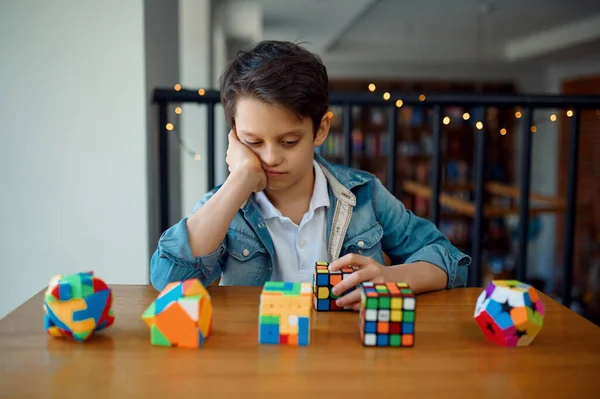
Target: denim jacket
x=364, y=218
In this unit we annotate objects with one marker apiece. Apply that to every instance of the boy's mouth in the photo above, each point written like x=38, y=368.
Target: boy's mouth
x=273, y=173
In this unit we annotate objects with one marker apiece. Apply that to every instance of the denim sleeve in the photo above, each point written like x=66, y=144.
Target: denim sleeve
x=408, y=238
x=173, y=260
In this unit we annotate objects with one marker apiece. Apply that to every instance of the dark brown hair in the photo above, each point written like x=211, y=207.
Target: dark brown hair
x=278, y=73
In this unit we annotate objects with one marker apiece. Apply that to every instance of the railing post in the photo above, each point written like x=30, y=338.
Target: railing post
x=347, y=125
x=480, y=138
x=392, y=154
x=163, y=165
x=436, y=172
x=525, y=188
x=572, y=175
x=210, y=143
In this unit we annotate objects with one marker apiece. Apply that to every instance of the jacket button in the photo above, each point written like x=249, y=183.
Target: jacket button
x=245, y=252
x=361, y=244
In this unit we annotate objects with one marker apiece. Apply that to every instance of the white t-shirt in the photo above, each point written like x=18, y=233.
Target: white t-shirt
x=297, y=248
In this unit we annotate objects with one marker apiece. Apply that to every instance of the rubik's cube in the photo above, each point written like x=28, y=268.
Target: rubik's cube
x=509, y=313
x=77, y=305
x=181, y=315
x=284, y=313
x=323, y=282
x=387, y=314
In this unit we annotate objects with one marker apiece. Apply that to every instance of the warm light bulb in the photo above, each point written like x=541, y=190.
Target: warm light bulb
x=466, y=116
x=422, y=97
x=386, y=96
x=197, y=157
x=170, y=126
x=503, y=131
x=399, y=103
x=372, y=87
x=177, y=87
x=446, y=120
x=517, y=114
x=201, y=92
x=552, y=117
x=569, y=113
x=479, y=125
x=533, y=129
x=178, y=110
x=330, y=114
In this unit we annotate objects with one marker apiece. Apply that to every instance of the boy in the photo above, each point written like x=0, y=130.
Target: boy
x=283, y=207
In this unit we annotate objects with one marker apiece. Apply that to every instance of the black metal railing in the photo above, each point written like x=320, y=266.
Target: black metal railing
x=527, y=103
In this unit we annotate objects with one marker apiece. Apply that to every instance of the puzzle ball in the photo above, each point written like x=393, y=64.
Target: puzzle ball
x=181, y=315
x=77, y=305
x=509, y=313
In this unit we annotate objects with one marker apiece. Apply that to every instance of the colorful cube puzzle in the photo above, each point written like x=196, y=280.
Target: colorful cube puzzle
x=509, y=313
x=387, y=314
x=284, y=313
x=77, y=305
x=323, y=282
x=181, y=315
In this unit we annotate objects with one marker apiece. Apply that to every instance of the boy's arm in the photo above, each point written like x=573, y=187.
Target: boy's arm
x=193, y=247
x=418, y=250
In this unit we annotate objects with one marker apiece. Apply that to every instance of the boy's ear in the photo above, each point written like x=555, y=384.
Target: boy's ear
x=323, y=130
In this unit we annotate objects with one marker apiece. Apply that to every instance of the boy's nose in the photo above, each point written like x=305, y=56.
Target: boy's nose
x=271, y=157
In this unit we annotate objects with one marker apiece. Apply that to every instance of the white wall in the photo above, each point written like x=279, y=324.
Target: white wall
x=72, y=144
x=195, y=72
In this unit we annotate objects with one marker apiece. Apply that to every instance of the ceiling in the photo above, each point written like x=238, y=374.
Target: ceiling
x=434, y=33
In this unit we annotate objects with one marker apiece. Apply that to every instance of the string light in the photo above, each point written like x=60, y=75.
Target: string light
x=330, y=115
x=197, y=157
x=518, y=114
x=170, y=126
x=479, y=125
x=466, y=116
x=399, y=103
x=552, y=117
x=178, y=110
x=569, y=113
x=201, y=92
x=503, y=131
x=533, y=129
x=180, y=143
x=446, y=120
x=177, y=87
x=422, y=97
x=386, y=96
x=372, y=87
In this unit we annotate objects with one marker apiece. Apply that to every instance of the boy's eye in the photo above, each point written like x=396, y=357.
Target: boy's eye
x=252, y=142
x=291, y=142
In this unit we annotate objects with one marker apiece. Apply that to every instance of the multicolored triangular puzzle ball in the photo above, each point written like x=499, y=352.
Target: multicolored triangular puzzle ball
x=77, y=305
x=181, y=315
x=509, y=313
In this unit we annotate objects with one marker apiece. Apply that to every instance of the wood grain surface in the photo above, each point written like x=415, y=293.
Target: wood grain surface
x=451, y=359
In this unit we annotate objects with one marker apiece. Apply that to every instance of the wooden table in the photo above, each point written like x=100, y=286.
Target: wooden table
x=451, y=358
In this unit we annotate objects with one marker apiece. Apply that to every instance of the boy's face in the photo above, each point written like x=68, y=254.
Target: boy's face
x=283, y=142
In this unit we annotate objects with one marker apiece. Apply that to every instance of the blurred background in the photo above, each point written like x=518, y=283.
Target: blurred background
x=79, y=140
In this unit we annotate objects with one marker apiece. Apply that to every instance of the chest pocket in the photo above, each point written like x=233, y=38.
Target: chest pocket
x=248, y=262
x=366, y=242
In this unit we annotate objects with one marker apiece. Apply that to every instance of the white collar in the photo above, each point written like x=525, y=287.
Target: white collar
x=319, y=198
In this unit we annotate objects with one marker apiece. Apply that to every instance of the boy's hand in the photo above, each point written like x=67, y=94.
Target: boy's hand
x=368, y=270
x=241, y=159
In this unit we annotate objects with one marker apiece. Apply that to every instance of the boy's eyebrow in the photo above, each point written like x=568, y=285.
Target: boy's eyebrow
x=293, y=131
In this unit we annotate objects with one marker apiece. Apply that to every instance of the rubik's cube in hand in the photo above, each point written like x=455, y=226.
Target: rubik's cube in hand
x=323, y=282
x=284, y=313
x=387, y=314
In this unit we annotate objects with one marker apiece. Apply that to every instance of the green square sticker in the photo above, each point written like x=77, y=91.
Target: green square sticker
x=395, y=340
x=371, y=303
x=408, y=316
x=384, y=302
x=269, y=320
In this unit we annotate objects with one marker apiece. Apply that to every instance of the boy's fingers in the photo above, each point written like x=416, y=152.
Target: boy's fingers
x=352, y=281
x=349, y=299
x=346, y=260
